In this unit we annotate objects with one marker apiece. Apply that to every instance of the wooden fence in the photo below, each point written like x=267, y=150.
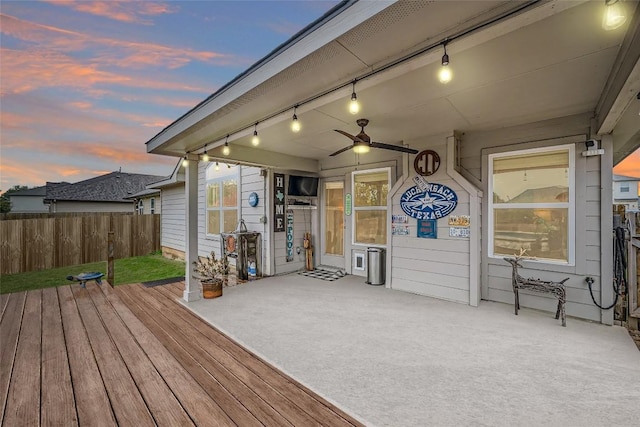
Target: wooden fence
x=43, y=243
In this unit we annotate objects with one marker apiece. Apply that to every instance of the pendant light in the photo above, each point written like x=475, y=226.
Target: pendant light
x=255, y=141
x=295, y=124
x=354, y=105
x=185, y=162
x=444, y=75
x=226, y=150
x=217, y=166
x=205, y=156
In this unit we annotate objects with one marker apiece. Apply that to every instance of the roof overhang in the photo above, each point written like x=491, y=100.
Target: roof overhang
x=515, y=63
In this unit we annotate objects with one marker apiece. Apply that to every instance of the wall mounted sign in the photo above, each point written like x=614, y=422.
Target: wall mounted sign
x=278, y=202
x=460, y=220
x=347, y=204
x=289, y=235
x=426, y=162
x=422, y=183
x=459, y=232
x=428, y=228
x=436, y=202
x=399, y=230
x=253, y=199
x=399, y=219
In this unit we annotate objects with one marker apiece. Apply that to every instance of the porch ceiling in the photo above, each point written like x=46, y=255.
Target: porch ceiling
x=549, y=61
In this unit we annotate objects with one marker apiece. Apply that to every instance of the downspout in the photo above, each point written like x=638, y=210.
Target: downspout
x=475, y=199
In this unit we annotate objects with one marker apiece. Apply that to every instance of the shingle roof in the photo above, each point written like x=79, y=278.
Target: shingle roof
x=625, y=178
x=35, y=191
x=112, y=187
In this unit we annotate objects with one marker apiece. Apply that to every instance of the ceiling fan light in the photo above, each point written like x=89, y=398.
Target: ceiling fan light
x=361, y=148
x=614, y=15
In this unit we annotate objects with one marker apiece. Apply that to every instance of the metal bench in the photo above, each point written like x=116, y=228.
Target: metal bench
x=556, y=289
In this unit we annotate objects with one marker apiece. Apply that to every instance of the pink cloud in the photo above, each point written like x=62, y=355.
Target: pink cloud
x=124, y=11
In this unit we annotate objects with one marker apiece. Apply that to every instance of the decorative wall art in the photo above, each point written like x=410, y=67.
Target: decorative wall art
x=437, y=201
x=289, y=235
x=428, y=228
x=426, y=162
x=278, y=202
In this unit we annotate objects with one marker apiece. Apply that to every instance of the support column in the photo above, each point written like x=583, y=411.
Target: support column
x=192, y=290
x=606, y=229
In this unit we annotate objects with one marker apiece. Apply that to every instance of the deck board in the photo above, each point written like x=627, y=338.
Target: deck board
x=9, y=333
x=99, y=356
x=92, y=403
x=158, y=397
x=23, y=401
x=58, y=408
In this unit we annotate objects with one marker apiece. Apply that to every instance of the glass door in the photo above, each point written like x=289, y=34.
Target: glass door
x=333, y=224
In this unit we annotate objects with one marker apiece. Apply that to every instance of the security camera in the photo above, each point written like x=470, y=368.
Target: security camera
x=591, y=143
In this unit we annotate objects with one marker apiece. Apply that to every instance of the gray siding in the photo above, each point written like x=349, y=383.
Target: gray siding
x=28, y=204
x=439, y=267
x=496, y=273
x=172, y=230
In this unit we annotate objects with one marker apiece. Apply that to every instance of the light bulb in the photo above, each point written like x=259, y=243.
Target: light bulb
x=226, y=150
x=295, y=124
x=205, y=157
x=361, y=148
x=354, y=105
x=445, y=74
x=255, y=140
x=217, y=166
x=614, y=15
x=185, y=162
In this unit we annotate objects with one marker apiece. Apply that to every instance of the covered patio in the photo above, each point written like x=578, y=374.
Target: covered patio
x=393, y=358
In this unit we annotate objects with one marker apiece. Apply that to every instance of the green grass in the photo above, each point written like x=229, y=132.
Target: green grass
x=126, y=270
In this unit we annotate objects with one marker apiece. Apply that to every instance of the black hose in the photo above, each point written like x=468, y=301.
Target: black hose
x=619, y=269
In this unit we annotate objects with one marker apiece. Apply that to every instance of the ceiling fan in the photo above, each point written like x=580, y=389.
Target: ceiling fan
x=362, y=143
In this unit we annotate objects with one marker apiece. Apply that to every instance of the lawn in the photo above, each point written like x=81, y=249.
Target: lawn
x=127, y=270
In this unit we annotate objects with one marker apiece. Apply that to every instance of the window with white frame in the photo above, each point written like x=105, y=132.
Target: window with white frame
x=152, y=206
x=221, y=199
x=532, y=203
x=370, y=189
x=624, y=188
x=140, y=207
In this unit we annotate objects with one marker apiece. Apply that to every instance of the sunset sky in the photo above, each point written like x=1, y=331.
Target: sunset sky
x=85, y=84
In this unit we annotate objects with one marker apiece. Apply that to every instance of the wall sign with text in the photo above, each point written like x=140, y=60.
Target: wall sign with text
x=278, y=202
x=437, y=201
x=426, y=163
x=289, y=235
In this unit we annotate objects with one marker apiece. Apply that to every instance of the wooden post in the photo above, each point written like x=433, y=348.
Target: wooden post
x=110, y=272
x=308, y=249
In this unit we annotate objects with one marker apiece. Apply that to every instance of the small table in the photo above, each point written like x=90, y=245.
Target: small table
x=83, y=278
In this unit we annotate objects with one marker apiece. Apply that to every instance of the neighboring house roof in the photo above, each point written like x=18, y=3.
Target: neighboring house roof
x=176, y=177
x=546, y=193
x=112, y=187
x=36, y=191
x=625, y=178
x=143, y=193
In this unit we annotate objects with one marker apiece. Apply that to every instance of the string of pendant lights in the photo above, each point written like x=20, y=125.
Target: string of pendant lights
x=613, y=18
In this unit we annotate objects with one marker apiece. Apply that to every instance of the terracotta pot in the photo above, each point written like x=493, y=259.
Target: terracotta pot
x=212, y=289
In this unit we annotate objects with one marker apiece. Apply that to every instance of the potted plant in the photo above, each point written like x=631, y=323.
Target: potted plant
x=212, y=274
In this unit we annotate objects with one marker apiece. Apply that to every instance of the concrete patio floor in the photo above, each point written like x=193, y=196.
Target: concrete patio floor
x=392, y=358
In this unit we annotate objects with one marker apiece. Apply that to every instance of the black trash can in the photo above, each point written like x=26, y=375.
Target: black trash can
x=376, y=266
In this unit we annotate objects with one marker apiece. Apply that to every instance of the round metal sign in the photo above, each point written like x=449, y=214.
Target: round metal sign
x=253, y=199
x=426, y=163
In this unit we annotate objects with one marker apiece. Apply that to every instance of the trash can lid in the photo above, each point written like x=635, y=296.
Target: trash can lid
x=375, y=249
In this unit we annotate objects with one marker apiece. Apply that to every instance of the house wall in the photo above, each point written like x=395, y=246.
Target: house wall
x=438, y=267
x=629, y=198
x=249, y=181
x=172, y=230
x=496, y=273
x=146, y=202
x=28, y=204
x=62, y=206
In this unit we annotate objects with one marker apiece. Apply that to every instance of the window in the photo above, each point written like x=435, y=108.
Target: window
x=221, y=199
x=370, y=189
x=140, y=207
x=153, y=206
x=532, y=203
x=624, y=188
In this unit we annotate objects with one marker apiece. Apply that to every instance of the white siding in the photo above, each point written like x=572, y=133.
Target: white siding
x=304, y=220
x=439, y=267
x=172, y=229
x=496, y=273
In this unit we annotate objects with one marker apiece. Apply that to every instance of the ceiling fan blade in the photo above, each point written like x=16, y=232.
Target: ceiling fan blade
x=393, y=147
x=342, y=150
x=348, y=135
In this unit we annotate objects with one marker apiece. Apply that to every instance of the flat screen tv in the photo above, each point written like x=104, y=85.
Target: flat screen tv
x=305, y=186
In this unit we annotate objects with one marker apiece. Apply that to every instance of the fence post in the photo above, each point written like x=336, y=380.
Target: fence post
x=110, y=272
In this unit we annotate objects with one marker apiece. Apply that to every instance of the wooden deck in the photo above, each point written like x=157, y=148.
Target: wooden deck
x=134, y=356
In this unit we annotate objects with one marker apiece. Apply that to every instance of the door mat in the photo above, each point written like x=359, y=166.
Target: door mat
x=324, y=274
x=162, y=282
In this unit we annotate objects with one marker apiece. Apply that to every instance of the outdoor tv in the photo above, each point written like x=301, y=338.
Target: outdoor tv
x=305, y=186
